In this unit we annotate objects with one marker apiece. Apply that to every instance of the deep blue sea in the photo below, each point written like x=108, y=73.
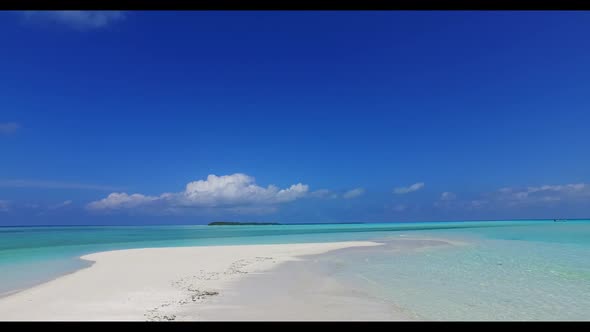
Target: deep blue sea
x=506, y=270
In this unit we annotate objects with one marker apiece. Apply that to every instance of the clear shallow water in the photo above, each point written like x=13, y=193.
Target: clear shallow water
x=507, y=270
x=534, y=272
x=30, y=255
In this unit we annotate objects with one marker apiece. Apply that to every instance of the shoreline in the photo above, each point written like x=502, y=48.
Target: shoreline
x=314, y=289
x=151, y=283
x=39, y=283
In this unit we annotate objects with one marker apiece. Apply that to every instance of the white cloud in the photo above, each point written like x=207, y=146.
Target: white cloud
x=50, y=208
x=353, y=193
x=412, y=188
x=509, y=197
x=545, y=193
x=60, y=205
x=329, y=194
x=237, y=191
x=323, y=193
x=121, y=201
x=7, y=128
x=447, y=199
x=447, y=196
x=42, y=184
x=79, y=19
x=32, y=206
x=576, y=187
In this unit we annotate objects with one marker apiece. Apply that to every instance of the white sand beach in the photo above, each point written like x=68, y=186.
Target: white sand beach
x=171, y=284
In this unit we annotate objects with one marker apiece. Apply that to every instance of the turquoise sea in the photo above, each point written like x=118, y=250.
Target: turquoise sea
x=507, y=270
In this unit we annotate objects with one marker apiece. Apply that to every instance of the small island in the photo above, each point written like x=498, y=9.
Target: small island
x=233, y=223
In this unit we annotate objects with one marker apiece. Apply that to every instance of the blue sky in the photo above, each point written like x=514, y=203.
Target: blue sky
x=120, y=117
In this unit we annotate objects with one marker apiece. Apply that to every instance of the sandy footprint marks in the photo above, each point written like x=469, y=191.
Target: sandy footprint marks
x=190, y=287
x=238, y=266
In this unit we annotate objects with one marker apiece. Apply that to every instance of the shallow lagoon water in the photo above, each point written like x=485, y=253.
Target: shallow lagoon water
x=537, y=272
x=503, y=270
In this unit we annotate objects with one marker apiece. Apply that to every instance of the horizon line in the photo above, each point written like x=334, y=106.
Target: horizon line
x=310, y=223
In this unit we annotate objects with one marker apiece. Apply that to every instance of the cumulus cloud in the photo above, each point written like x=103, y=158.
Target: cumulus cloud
x=237, y=191
x=79, y=19
x=115, y=201
x=406, y=190
x=353, y=193
x=7, y=128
